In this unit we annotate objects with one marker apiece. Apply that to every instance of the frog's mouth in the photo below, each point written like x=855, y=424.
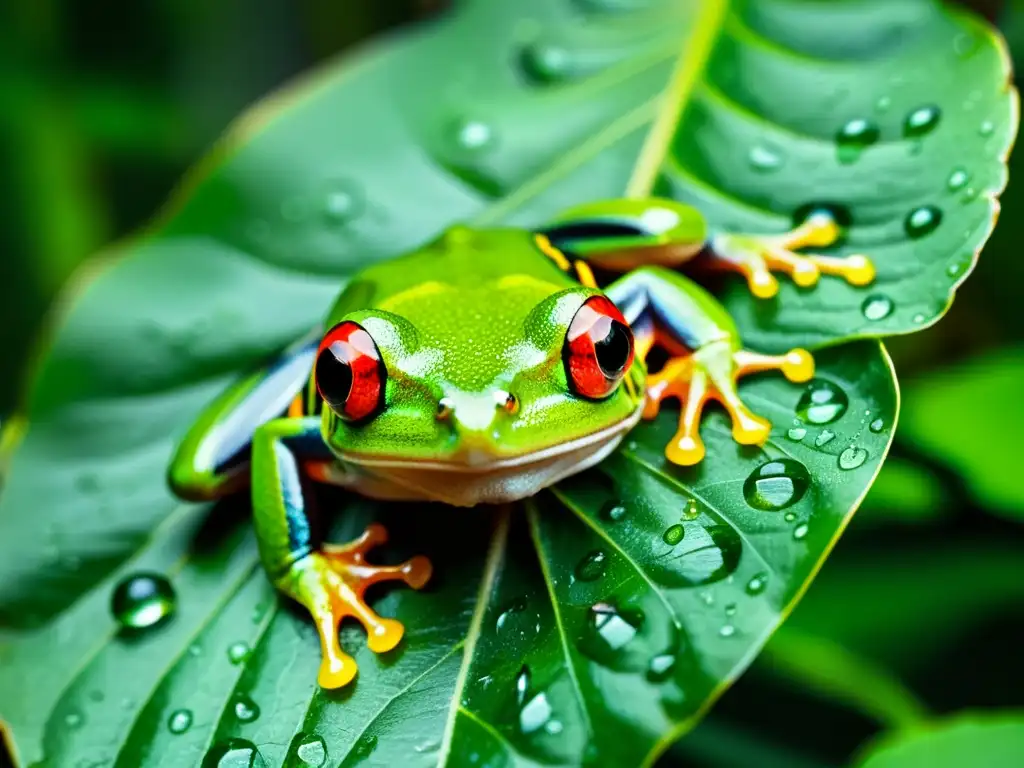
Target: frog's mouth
x=486, y=480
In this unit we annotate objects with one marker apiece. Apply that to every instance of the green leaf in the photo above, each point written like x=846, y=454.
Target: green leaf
x=989, y=740
x=945, y=420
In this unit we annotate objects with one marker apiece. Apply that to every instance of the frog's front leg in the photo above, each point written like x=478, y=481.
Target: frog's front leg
x=665, y=308
x=329, y=580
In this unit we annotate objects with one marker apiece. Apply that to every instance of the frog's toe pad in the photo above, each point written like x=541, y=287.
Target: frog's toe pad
x=337, y=672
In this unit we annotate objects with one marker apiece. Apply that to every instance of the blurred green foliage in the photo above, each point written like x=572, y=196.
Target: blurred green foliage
x=919, y=611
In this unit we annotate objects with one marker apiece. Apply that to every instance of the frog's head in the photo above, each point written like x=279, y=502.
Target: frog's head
x=480, y=392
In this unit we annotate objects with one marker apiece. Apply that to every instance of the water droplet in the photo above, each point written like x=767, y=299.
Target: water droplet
x=343, y=201
x=764, y=159
x=554, y=727
x=822, y=402
x=592, y=566
x=957, y=179
x=969, y=194
x=757, y=583
x=430, y=745
x=877, y=307
x=673, y=534
x=921, y=121
x=546, y=63
x=195, y=650
x=727, y=630
x=853, y=138
x=883, y=103
x=233, y=753
x=852, y=457
x=707, y=598
x=614, y=511
x=522, y=684
x=919, y=318
x=142, y=600
x=365, y=746
x=730, y=609
x=179, y=721
x=245, y=709
x=74, y=720
x=789, y=517
x=987, y=128
x=615, y=627
x=800, y=532
x=824, y=438
x=796, y=434
x=238, y=652
x=660, y=668
x=307, y=751
x=922, y=221
x=840, y=214
x=776, y=484
x=691, y=511
x=535, y=714
x=516, y=621
x=474, y=135
x=876, y=426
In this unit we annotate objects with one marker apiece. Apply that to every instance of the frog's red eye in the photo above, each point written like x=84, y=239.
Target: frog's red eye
x=598, y=349
x=350, y=374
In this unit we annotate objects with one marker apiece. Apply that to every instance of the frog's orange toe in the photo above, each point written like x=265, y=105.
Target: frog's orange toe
x=384, y=635
x=337, y=672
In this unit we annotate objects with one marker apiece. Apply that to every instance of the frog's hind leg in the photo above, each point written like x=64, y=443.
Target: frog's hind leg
x=329, y=580
x=757, y=256
x=667, y=310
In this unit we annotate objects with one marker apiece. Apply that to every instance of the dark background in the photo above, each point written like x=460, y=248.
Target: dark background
x=104, y=104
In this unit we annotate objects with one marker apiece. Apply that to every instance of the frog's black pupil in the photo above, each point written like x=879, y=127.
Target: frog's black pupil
x=333, y=378
x=613, y=350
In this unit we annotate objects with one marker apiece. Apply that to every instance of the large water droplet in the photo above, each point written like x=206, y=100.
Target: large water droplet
x=238, y=652
x=777, y=484
x=876, y=426
x=958, y=178
x=852, y=457
x=535, y=714
x=764, y=159
x=142, y=600
x=307, y=751
x=853, y=138
x=821, y=402
x=614, y=511
x=922, y=221
x=921, y=121
x=877, y=306
x=660, y=668
x=245, y=709
x=616, y=628
x=592, y=566
x=673, y=534
x=757, y=583
x=179, y=721
x=233, y=753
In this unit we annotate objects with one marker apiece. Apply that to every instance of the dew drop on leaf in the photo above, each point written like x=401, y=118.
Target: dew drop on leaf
x=877, y=307
x=730, y=609
x=821, y=402
x=545, y=63
x=922, y=221
x=673, y=534
x=796, y=434
x=987, y=128
x=789, y=517
x=660, y=668
x=233, y=753
x=776, y=484
x=522, y=684
x=307, y=751
x=853, y=137
x=179, y=721
x=852, y=457
x=876, y=426
x=245, y=709
x=727, y=630
x=691, y=511
x=800, y=532
x=764, y=159
x=614, y=511
x=609, y=631
x=535, y=714
x=824, y=437
x=142, y=600
x=343, y=202
x=365, y=746
x=921, y=121
x=74, y=720
x=238, y=652
x=592, y=566
x=958, y=178
x=516, y=621
x=757, y=583
x=473, y=135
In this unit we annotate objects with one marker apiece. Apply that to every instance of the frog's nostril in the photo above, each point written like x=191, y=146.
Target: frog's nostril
x=506, y=401
x=445, y=409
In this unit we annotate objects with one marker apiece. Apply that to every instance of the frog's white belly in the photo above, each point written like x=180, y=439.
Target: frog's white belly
x=466, y=486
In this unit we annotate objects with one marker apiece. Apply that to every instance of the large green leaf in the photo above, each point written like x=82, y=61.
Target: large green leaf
x=501, y=112
x=595, y=624
x=989, y=740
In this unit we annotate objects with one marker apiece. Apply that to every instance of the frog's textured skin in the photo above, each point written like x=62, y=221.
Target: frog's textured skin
x=449, y=370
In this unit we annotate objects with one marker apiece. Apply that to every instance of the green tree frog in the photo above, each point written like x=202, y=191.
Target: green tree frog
x=480, y=369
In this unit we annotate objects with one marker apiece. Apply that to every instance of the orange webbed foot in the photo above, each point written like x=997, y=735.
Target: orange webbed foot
x=757, y=256
x=332, y=583
x=711, y=373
